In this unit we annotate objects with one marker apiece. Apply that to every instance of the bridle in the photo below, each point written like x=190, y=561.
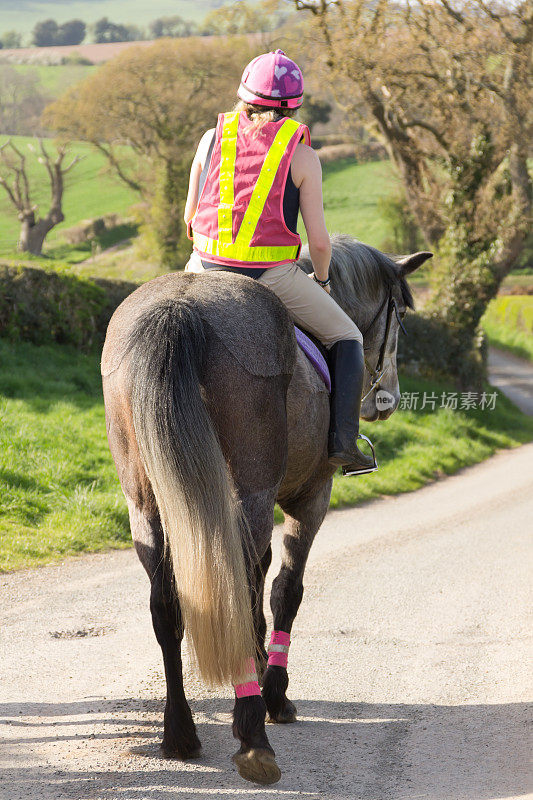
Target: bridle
x=376, y=375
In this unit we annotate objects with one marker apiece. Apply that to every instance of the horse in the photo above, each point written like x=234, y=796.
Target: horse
x=213, y=415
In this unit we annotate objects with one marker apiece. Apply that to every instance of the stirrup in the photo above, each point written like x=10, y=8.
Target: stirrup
x=346, y=470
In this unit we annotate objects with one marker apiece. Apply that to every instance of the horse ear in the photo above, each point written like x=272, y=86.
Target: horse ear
x=408, y=264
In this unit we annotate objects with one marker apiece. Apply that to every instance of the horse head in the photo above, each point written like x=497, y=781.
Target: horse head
x=381, y=390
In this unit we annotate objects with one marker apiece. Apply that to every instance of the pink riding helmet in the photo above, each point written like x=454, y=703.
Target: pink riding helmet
x=272, y=80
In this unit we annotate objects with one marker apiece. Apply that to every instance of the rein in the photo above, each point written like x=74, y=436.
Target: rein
x=377, y=374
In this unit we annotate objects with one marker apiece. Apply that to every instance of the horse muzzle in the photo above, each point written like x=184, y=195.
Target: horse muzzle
x=379, y=406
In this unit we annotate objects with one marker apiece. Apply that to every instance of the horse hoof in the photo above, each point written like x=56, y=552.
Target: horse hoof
x=285, y=716
x=257, y=765
x=181, y=755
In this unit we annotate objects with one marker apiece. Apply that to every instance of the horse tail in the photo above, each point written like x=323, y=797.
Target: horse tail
x=200, y=513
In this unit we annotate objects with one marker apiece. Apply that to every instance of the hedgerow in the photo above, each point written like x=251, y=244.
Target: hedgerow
x=45, y=306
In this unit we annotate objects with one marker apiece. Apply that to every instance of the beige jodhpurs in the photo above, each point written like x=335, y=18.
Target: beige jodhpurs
x=309, y=305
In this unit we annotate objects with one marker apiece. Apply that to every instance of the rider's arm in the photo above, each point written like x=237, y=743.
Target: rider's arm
x=196, y=170
x=306, y=173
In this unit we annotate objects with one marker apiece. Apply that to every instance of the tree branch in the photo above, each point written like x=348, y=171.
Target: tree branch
x=4, y=183
x=116, y=165
x=75, y=160
x=498, y=19
x=439, y=136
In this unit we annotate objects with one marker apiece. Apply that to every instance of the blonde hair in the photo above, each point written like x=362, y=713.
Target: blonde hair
x=260, y=115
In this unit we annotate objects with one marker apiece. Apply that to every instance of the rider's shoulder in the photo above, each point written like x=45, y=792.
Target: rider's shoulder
x=306, y=154
x=206, y=138
x=305, y=160
x=208, y=134
x=203, y=146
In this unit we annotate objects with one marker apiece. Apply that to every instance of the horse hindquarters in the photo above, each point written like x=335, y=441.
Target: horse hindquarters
x=188, y=474
x=174, y=422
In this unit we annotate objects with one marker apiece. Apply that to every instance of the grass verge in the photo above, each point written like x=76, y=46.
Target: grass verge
x=416, y=447
x=60, y=494
x=508, y=324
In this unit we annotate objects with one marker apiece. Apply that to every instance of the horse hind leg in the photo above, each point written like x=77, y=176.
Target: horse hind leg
x=255, y=759
x=179, y=738
x=303, y=517
x=179, y=735
x=259, y=614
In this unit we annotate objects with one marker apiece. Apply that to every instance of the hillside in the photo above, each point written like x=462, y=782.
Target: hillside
x=22, y=15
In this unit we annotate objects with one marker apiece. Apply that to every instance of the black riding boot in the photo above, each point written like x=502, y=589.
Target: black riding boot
x=347, y=368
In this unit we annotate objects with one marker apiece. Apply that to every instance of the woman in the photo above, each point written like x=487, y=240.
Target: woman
x=250, y=177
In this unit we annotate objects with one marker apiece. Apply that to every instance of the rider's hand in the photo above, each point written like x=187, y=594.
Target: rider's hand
x=326, y=288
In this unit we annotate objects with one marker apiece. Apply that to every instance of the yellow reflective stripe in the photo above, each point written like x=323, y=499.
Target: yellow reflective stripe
x=243, y=252
x=228, y=155
x=264, y=181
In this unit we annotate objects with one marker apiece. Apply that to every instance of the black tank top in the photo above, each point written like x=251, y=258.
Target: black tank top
x=291, y=207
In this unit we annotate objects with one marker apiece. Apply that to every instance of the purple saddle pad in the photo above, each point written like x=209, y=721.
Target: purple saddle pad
x=314, y=355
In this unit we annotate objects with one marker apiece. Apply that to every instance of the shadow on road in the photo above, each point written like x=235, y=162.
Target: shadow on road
x=335, y=751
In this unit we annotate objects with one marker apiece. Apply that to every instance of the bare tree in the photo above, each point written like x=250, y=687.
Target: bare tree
x=15, y=180
x=446, y=85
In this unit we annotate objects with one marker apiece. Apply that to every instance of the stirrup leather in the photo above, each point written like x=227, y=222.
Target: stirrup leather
x=346, y=470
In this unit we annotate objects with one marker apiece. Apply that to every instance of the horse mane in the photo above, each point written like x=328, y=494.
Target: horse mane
x=360, y=273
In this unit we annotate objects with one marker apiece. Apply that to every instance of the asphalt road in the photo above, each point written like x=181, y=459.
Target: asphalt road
x=409, y=663
x=514, y=376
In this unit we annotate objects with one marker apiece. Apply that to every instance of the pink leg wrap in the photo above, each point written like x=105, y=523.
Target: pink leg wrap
x=250, y=687
x=278, y=649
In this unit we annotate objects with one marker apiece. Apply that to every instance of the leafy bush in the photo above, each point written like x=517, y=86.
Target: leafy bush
x=48, y=33
x=44, y=306
x=77, y=59
x=434, y=349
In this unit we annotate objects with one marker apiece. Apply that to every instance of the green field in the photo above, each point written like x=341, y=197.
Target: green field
x=508, y=323
x=60, y=495
x=55, y=79
x=90, y=191
x=351, y=195
x=22, y=15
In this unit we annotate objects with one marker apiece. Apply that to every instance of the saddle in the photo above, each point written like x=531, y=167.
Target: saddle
x=315, y=353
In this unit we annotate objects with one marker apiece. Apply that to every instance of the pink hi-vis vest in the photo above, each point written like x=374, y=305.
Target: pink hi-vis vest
x=239, y=220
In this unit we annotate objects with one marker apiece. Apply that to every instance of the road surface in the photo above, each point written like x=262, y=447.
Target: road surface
x=409, y=663
x=513, y=376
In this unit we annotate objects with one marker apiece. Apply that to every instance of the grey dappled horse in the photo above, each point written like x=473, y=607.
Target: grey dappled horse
x=213, y=415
